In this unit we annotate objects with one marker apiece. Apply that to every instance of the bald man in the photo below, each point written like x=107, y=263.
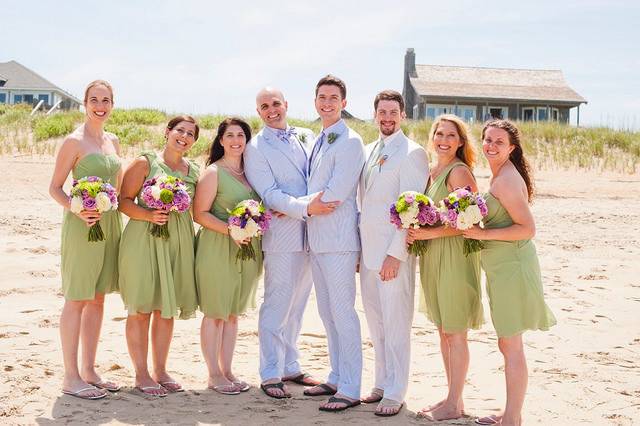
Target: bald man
x=276, y=166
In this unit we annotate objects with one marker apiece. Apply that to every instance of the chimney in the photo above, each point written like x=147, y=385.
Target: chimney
x=407, y=90
x=410, y=62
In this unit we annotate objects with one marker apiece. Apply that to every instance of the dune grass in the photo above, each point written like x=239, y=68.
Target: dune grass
x=547, y=145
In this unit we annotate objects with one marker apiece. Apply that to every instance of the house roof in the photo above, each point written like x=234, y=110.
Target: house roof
x=18, y=76
x=493, y=83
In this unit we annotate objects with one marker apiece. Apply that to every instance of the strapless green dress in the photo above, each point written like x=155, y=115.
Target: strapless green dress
x=157, y=274
x=226, y=287
x=514, y=282
x=450, y=280
x=87, y=267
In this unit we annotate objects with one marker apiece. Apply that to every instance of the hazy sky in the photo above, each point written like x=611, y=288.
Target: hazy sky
x=208, y=57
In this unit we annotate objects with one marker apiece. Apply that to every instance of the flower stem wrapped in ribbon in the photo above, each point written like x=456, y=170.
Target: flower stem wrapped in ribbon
x=248, y=219
x=91, y=193
x=414, y=210
x=167, y=193
x=461, y=210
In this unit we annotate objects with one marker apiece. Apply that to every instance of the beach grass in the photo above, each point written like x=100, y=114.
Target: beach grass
x=548, y=145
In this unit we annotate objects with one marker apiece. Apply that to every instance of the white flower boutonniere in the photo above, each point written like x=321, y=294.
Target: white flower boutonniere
x=381, y=161
x=331, y=137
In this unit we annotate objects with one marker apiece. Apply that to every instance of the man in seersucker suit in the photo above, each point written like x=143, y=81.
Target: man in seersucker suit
x=276, y=162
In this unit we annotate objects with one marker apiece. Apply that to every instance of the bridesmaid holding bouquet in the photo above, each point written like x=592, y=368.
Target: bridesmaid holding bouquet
x=157, y=282
x=509, y=259
x=89, y=269
x=226, y=284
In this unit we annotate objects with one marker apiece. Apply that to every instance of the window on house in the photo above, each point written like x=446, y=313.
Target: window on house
x=44, y=98
x=17, y=99
x=555, y=114
x=2, y=82
x=3, y=98
x=28, y=99
x=528, y=114
x=543, y=114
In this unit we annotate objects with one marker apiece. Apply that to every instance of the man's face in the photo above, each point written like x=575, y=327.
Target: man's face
x=272, y=109
x=388, y=117
x=329, y=103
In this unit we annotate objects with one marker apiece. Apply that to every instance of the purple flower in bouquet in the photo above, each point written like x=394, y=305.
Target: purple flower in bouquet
x=167, y=193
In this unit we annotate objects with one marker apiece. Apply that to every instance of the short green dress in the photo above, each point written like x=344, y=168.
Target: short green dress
x=450, y=280
x=157, y=274
x=91, y=267
x=226, y=287
x=514, y=283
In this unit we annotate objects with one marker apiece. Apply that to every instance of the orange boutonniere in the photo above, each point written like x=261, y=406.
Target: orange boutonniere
x=381, y=161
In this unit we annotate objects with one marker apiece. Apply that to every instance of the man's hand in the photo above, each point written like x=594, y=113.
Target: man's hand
x=318, y=207
x=390, y=268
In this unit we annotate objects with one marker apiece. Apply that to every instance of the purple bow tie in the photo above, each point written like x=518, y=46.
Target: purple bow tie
x=286, y=134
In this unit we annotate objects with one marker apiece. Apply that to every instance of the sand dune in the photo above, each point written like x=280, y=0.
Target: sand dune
x=585, y=370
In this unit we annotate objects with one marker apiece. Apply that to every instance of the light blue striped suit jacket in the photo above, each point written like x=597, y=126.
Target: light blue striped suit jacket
x=336, y=170
x=272, y=171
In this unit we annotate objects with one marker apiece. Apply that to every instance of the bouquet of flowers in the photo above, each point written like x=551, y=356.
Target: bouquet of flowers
x=461, y=210
x=414, y=210
x=167, y=193
x=93, y=194
x=248, y=219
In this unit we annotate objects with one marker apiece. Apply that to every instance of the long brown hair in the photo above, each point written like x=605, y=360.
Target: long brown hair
x=216, y=151
x=517, y=155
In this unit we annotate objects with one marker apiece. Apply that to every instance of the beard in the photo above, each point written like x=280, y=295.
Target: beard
x=387, y=131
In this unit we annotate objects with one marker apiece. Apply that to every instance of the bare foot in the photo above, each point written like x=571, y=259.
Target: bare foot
x=94, y=379
x=278, y=392
x=375, y=396
x=388, y=407
x=321, y=389
x=446, y=412
x=492, y=419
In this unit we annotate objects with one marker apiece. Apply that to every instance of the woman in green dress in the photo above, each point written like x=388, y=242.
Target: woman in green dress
x=156, y=275
x=450, y=280
x=509, y=259
x=89, y=269
x=226, y=287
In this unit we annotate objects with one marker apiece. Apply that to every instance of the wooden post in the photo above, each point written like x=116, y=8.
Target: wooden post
x=578, y=117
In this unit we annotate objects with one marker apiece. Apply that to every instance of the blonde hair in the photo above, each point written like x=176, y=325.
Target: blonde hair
x=95, y=83
x=466, y=152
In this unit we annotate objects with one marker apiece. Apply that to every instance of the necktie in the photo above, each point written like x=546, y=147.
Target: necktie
x=285, y=135
x=373, y=160
x=316, y=149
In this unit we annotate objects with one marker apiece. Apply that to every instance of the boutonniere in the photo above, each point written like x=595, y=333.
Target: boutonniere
x=303, y=138
x=331, y=137
x=381, y=161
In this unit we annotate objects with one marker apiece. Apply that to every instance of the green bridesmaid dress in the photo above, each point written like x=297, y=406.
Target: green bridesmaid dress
x=91, y=267
x=514, y=283
x=450, y=280
x=226, y=287
x=157, y=274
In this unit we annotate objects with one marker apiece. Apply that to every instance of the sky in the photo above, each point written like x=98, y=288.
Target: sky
x=212, y=57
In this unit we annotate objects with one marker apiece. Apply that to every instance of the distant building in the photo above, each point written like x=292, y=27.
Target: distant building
x=20, y=85
x=477, y=94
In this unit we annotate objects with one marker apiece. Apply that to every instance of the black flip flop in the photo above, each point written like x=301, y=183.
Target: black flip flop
x=348, y=403
x=327, y=390
x=300, y=379
x=279, y=385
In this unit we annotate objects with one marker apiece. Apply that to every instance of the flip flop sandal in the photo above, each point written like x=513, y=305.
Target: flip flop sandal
x=487, y=420
x=376, y=396
x=394, y=404
x=348, y=404
x=104, y=384
x=77, y=393
x=326, y=390
x=226, y=389
x=172, y=387
x=303, y=379
x=145, y=390
x=242, y=386
x=279, y=385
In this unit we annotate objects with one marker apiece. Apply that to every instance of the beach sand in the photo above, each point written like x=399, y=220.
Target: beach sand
x=585, y=370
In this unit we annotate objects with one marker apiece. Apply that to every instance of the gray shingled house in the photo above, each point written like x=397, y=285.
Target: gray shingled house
x=477, y=94
x=18, y=84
